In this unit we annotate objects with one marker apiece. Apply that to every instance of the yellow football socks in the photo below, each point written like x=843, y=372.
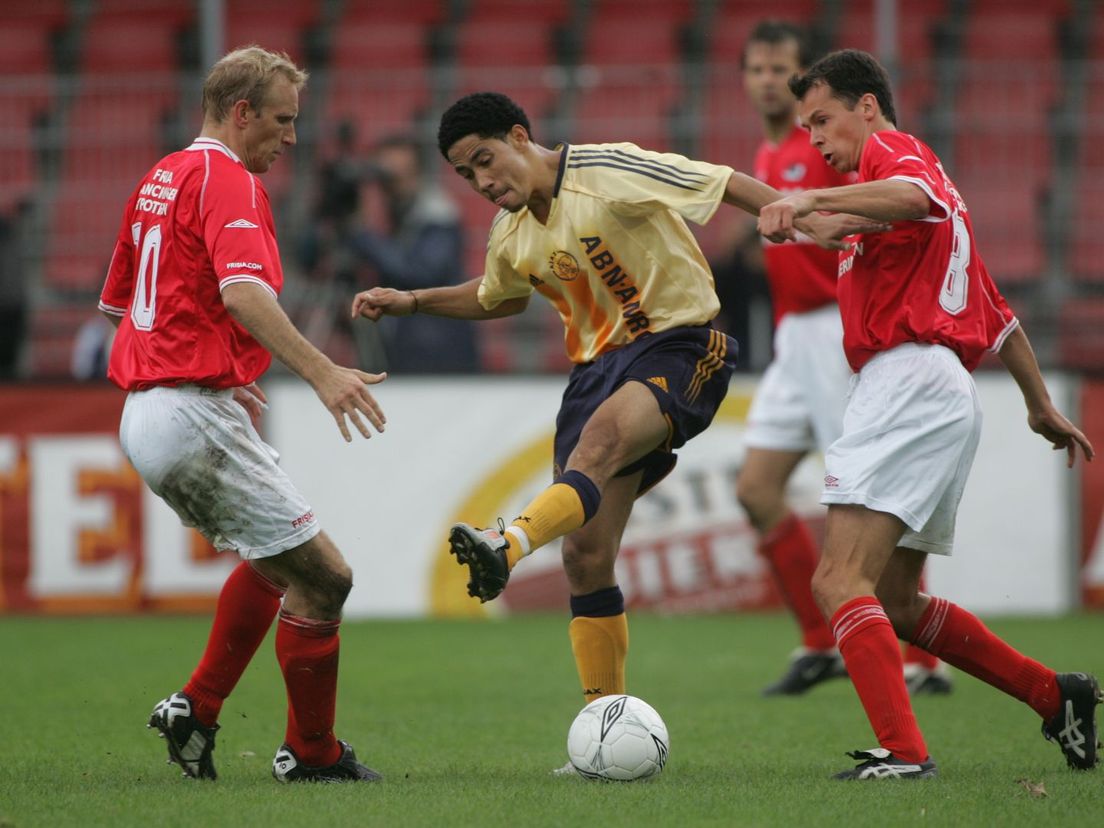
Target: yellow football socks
x=600, y=645
x=551, y=514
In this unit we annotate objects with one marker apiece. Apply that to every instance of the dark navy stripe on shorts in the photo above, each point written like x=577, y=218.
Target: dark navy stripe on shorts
x=687, y=369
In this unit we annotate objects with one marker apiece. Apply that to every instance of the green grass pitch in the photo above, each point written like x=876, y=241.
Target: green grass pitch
x=466, y=719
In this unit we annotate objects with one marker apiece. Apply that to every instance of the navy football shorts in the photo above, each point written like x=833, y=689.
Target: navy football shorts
x=687, y=369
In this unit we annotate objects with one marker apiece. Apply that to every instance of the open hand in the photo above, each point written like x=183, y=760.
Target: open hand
x=344, y=392
x=1061, y=433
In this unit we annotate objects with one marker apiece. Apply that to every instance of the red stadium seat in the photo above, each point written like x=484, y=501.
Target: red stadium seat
x=129, y=43
x=915, y=20
x=384, y=45
x=42, y=12
x=175, y=11
x=421, y=12
x=1081, y=335
x=24, y=47
x=730, y=131
x=630, y=39
x=628, y=105
x=513, y=43
x=277, y=26
x=1086, y=256
x=378, y=105
x=1006, y=219
x=549, y=12
x=21, y=104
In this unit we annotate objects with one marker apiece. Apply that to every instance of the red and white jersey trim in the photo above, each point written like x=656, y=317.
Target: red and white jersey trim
x=926, y=187
x=998, y=343
x=203, y=143
x=112, y=309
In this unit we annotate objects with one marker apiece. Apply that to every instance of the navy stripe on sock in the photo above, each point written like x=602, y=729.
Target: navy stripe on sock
x=587, y=491
x=600, y=604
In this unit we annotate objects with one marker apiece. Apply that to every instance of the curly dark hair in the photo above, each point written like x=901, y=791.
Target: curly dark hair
x=850, y=74
x=486, y=114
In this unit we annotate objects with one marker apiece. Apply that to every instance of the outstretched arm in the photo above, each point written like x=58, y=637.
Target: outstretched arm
x=755, y=197
x=344, y=391
x=878, y=201
x=1042, y=417
x=749, y=194
x=455, y=302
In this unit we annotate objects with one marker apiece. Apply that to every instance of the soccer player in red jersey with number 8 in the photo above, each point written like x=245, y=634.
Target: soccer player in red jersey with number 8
x=800, y=401
x=192, y=287
x=919, y=311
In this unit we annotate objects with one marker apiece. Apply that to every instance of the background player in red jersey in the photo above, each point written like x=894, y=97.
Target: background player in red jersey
x=919, y=311
x=799, y=404
x=192, y=287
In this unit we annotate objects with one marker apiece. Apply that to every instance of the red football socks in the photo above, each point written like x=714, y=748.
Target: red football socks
x=916, y=655
x=870, y=650
x=792, y=554
x=307, y=650
x=246, y=606
x=959, y=638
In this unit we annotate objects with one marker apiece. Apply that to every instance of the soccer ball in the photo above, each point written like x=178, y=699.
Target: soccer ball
x=618, y=738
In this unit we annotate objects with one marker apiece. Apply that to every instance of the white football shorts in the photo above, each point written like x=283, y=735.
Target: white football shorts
x=198, y=451
x=909, y=437
x=800, y=401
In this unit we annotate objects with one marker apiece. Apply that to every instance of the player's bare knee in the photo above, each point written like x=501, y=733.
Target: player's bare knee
x=832, y=587
x=596, y=460
x=757, y=500
x=336, y=585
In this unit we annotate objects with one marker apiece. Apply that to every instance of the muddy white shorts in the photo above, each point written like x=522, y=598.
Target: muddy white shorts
x=909, y=437
x=800, y=401
x=197, y=449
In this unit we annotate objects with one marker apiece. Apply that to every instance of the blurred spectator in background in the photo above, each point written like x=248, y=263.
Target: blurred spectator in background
x=741, y=284
x=92, y=349
x=327, y=257
x=413, y=238
x=339, y=182
x=13, y=293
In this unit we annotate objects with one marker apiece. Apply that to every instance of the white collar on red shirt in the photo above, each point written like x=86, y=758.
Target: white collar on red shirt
x=205, y=143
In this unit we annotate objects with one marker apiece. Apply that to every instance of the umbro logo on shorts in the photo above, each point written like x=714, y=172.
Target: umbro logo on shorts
x=831, y=482
x=241, y=224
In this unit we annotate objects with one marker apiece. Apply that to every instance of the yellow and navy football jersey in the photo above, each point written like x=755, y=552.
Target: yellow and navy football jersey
x=615, y=257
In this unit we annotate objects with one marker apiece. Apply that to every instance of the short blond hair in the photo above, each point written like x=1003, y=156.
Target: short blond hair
x=245, y=74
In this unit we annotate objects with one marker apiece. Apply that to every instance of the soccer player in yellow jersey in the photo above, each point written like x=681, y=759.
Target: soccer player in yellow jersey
x=599, y=230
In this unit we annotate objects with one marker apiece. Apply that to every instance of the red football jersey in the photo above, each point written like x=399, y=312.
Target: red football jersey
x=802, y=276
x=923, y=281
x=197, y=221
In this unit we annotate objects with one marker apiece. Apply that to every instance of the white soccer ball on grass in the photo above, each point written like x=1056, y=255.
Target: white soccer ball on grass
x=618, y=738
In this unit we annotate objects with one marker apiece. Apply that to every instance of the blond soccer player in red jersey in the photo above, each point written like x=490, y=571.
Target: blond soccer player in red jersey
x=192, y=287
x=799, y=404
x=919, y=311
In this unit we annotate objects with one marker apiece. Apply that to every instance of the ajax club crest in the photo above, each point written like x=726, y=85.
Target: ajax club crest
x=564, y=266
